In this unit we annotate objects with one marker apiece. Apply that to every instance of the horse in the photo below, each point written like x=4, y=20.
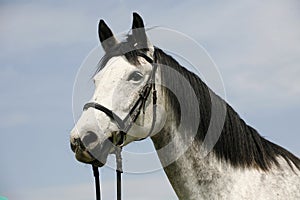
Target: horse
x=207, y=151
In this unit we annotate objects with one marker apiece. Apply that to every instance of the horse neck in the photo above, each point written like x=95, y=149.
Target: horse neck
x=194, y=174
x=188, y=170
x=190, y=174
x=195, y=177
x=179, y=152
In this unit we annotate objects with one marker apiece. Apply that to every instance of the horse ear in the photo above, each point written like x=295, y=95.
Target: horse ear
x=138, y=30
x=137, y=21
x=106, y=36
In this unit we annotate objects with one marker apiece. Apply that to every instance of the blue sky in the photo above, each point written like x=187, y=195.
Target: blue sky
x=256, y=46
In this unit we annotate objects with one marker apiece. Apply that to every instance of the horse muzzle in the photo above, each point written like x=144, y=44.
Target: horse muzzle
x=91, y=154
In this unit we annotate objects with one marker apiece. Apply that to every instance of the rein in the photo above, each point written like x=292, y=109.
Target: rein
x=125, y=124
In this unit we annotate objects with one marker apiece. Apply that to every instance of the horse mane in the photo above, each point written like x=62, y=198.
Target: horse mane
x=239, y=144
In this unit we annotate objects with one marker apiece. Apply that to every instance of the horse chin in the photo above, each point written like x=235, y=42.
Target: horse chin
x=96, y=156
x=87, y=158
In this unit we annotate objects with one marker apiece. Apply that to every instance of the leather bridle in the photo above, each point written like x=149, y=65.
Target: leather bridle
x=125, y=124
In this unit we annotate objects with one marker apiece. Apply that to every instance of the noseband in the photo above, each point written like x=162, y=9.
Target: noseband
x=125, y=124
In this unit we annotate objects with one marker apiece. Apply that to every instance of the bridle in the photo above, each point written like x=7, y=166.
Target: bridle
x=125, y=124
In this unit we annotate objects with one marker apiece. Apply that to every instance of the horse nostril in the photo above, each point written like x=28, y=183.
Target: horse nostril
x=77, y=143
x=89, y=138
x=73, y=147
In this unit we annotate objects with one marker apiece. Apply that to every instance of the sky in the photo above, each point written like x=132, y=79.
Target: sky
x=255, y=45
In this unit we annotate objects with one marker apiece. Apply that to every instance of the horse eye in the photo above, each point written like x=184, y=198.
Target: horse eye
x=135, y=76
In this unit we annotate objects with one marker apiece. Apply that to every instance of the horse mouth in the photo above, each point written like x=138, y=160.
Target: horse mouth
x=96, y=156
x=88, y=158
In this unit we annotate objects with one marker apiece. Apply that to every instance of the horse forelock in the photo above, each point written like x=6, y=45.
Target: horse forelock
x=127, y=48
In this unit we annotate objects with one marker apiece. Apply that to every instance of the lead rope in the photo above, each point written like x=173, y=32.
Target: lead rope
x=119, y=172
x=97, y=182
